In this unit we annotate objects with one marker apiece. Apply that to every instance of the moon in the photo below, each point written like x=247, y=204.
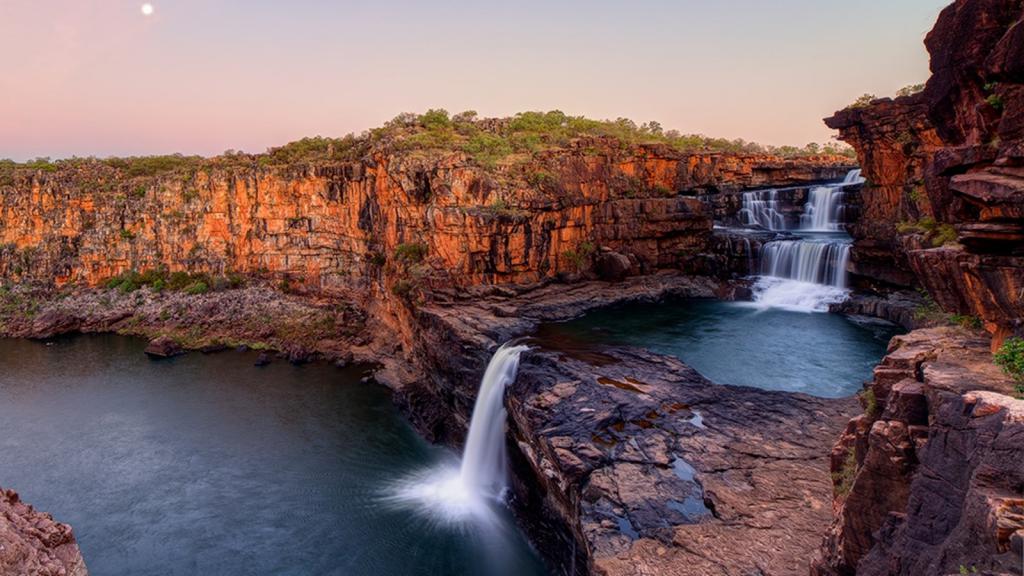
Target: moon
x=147, y=9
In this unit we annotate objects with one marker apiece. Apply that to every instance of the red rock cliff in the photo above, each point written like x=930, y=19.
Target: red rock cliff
x=929, y=480
x=944, y=207
x=340, y=226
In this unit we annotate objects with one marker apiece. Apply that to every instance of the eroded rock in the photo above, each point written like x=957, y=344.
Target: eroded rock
x=33, y=543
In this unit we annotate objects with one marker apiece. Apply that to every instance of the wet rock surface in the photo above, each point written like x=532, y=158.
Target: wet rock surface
x=33, y=543
x=662, y=472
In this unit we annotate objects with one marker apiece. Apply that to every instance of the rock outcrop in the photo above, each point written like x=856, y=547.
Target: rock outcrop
x=930, y=478
x=34, y=544
x=632, y=460
x=944, y=204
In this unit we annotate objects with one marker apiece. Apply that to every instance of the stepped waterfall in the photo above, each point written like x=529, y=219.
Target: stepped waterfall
x=806, y=272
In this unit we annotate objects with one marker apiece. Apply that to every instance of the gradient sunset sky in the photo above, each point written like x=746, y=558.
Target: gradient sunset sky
x=98, y=77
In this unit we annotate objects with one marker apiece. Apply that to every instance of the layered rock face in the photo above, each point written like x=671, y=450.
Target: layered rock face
x=336, y=227
x=32, y=543
x=929, y=478
x=944, y=207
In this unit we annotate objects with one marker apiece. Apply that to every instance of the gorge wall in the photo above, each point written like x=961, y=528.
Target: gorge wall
x=944, y=204
x=930, y=480
x=335, y=228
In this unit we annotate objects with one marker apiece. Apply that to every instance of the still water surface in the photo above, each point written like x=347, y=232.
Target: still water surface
x=210, y=465
x=738, y=344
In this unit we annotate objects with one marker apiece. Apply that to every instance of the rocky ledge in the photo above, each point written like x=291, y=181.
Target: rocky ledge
x=34, y=544
x=931, y=477
x=628, y=462
x=659, y=471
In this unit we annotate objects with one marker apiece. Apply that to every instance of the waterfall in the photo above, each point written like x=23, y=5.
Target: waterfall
x=750, y=255
x=807, y=273
x=825, y=210
x=807, y=261
x=761, y=208
x=468, y=492
x=802, y=275
x=483, y=460
x=854, y=177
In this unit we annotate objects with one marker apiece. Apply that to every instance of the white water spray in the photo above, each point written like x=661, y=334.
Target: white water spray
x=483, y=460
x=806, y=274
x=468, y=492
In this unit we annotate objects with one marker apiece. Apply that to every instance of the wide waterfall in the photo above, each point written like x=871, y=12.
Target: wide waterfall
x=456, y=493
x=814, y=261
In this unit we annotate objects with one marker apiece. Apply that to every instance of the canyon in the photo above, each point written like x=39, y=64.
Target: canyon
x=420, y=259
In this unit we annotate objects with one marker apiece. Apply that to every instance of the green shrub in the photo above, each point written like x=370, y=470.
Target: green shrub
x=870, y=404
x=403, y=288
x=127, y=234
x=929, y=311
x=197, y=287
x=435, y=119
x=487, y=149
x=863, y=102
x=580, y=255
x=935, y=233
x=411, y=253
x=843, y=478
x=179, y=280
x=1010, y=357
x=966, y=321
x=995, y=101
x=910, y=90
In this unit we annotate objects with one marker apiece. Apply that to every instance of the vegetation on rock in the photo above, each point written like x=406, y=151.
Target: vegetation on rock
x=488, y=141
x=1010, y=358
x=938, y=234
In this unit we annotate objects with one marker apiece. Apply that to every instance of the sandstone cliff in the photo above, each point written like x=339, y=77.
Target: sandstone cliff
x=930, y=480
x=944, y=206
x=393, y=216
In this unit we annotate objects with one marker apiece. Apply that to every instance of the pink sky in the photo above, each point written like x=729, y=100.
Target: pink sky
x=97, y=77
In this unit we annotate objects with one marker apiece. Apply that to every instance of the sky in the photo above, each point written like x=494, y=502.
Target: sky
x=100, y=78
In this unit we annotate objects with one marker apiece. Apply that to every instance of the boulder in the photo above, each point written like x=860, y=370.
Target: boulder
x=612, y=266
x=164, y=347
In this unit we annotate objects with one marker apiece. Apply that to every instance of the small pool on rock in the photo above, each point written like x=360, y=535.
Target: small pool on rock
x=733, y=343
x=209, y=465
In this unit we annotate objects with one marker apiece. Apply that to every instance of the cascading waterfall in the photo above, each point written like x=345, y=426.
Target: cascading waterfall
x=761, y=208
x=809, y=273
x=467, y=492
x=825, y=210
x=815, y=262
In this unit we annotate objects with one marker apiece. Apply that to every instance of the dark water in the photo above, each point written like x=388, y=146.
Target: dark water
x=732, y=343
x=209, y=465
